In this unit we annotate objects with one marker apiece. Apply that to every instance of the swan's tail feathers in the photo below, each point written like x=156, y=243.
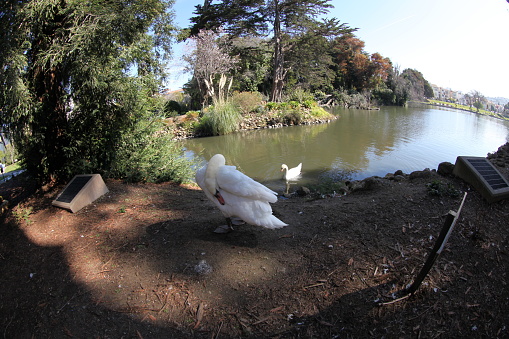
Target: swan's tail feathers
x=272, y=222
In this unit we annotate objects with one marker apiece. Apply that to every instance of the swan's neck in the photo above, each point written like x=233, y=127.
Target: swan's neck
x=210, y=174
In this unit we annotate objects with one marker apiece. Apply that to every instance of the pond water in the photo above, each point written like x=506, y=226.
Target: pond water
x=359, y=144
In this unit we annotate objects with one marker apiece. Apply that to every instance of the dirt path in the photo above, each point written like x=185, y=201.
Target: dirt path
x=143, y=262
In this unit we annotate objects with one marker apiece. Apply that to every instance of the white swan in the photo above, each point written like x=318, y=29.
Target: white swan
x=237, y=195
x=291, y=173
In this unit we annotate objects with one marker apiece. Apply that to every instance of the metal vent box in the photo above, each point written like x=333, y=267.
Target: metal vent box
x=82, y=190
x=483, y=176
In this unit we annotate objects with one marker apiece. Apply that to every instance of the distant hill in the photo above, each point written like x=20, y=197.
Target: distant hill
x=499, y=100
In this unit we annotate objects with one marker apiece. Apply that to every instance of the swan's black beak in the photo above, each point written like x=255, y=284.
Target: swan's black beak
x=219, y=197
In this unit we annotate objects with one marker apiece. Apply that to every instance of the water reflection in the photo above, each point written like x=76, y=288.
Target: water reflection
x=358, y=144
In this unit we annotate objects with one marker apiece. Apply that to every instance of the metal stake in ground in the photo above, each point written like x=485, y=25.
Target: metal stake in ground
x=449, y=223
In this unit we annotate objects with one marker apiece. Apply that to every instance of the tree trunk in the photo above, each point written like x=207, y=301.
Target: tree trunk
x=51, y=123
x=278, y=73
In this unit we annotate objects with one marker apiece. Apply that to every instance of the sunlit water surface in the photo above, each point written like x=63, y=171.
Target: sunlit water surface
x=358, y=144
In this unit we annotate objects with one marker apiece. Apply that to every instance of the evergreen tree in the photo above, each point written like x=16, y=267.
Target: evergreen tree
x=76, y=77
x=310, y=61
x=289, y=18
x=288, y=21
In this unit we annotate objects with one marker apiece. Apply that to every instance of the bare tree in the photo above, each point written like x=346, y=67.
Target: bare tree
x=210, y=63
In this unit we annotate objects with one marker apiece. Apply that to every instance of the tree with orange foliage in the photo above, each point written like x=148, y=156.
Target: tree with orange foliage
x=356, y=69
x=380, y=68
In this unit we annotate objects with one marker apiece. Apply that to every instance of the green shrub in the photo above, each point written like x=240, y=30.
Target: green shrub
x=223, y=118
x=293, y=104
x=384, y=96
x=437, y=188
x=309, y=103
x=172, y=108
x=193, y=115
x=300, y=95
x=293, y=118
x=204, y=126
x=147, y=155
x=282, y=106
x=188, y=125
x=359, y=101
x=246, y=102
x=260, y=109
x=271, y=106
x=319, y=112
x=328, y=185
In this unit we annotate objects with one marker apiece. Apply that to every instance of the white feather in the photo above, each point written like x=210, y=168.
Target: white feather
x=291, y=173
x=244, y=197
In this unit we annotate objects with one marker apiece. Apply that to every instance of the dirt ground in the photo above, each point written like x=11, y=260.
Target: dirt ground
x=142, y=262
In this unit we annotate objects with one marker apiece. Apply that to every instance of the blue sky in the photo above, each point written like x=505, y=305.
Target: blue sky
x=459, y=44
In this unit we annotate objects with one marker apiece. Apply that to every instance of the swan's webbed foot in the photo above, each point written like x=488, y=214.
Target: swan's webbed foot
x=237, y=221
x=223, y=229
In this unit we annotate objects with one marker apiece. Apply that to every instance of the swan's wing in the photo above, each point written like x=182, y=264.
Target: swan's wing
x=245, y=198
x=239, y=184
x=252, y=211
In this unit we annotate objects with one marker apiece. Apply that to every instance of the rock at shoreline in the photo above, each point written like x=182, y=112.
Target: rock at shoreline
x=445, y=168
x=426, y=173
x=367, y=184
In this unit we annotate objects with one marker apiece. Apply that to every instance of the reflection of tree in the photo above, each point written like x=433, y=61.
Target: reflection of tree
x=345, y=144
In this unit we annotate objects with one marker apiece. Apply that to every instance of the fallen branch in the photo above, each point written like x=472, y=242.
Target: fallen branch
x=314, y=285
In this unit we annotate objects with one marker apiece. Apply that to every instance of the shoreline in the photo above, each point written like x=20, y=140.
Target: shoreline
x=249, y=122
x=450, y=105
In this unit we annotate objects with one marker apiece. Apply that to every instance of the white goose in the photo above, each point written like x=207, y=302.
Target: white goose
x=237, y=195
x=291, y=173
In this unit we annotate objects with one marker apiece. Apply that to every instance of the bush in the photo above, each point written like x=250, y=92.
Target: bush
x=293, y=104
x=246, y=102
x=204, y=126
x=222, y=118
x=193, y=115
x=309, y=103
x=146, y=155
x=330, y=185
x=358, y=100
x=319, y=112
x=300, y=95
x=172, y=108
x=273, y=106
x=437, y=188
x=260, y=109
x=292, y=118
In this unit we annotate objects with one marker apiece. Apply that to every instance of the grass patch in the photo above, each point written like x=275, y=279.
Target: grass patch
x=467, y=108
x=12, y=167
x=328, y=186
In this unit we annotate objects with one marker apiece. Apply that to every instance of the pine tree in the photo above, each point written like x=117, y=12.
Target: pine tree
x=284, y=20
